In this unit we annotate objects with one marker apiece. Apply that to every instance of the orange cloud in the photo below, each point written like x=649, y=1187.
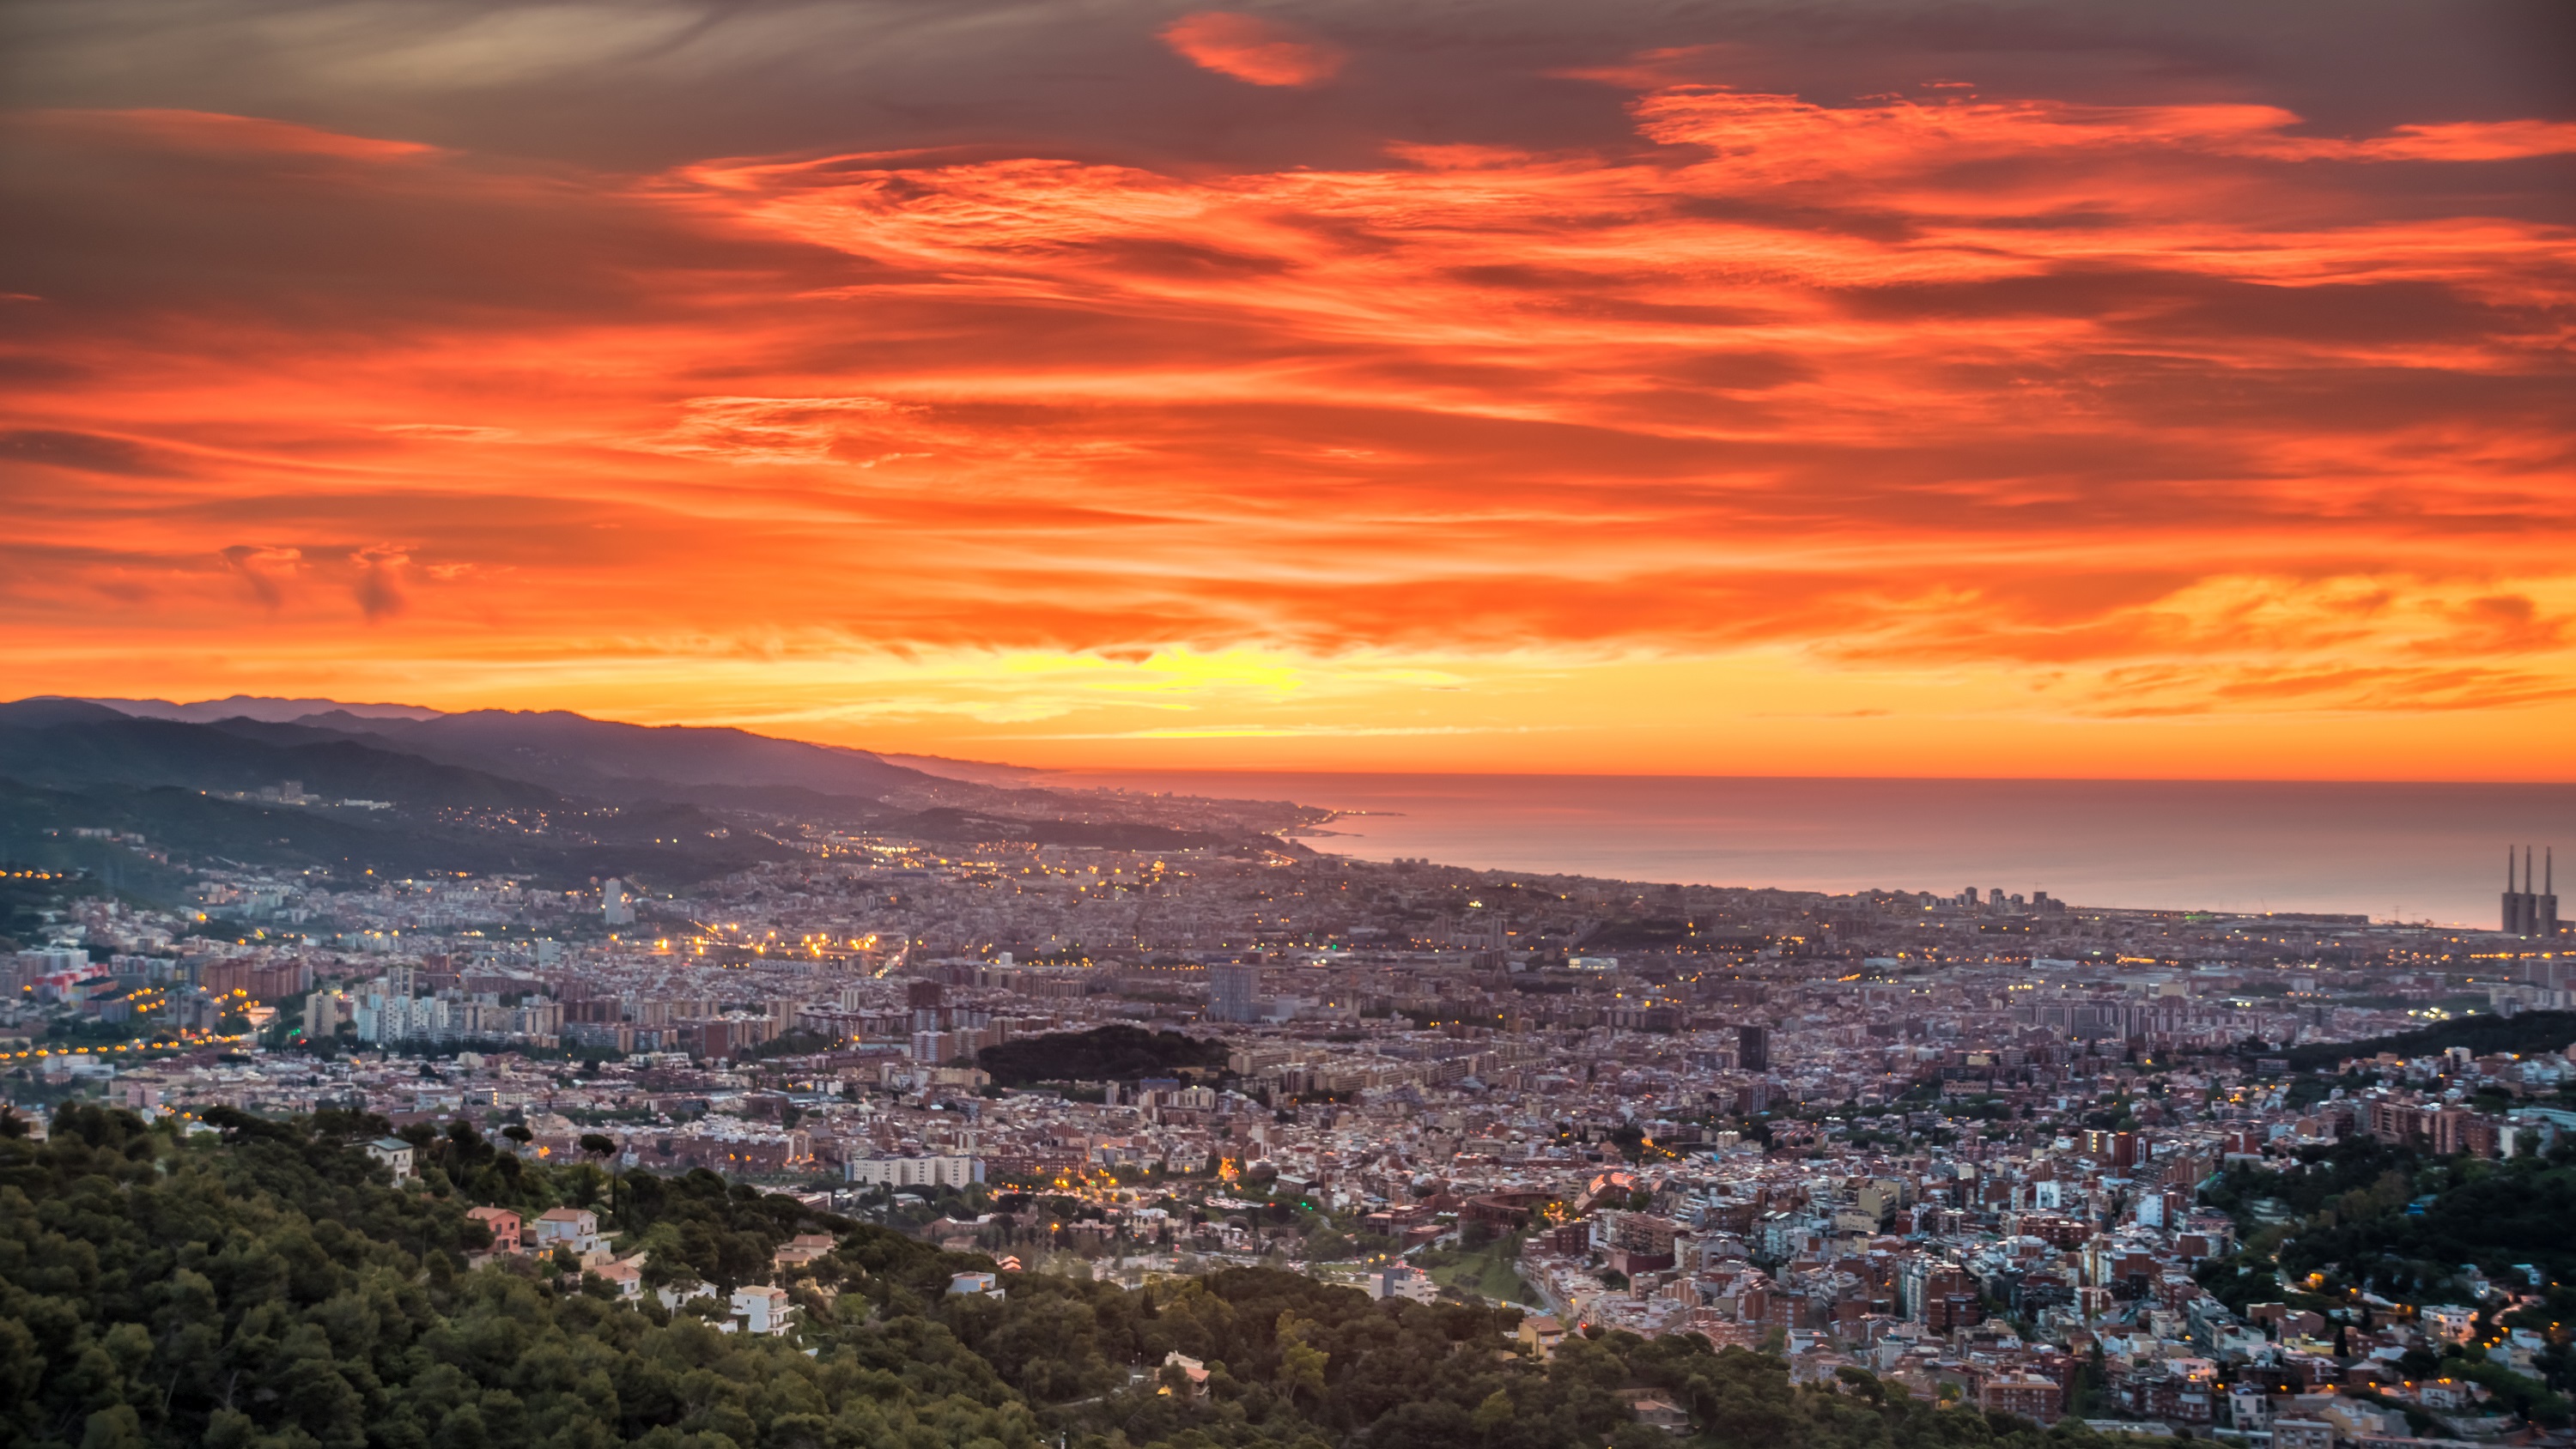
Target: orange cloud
x=2002, y=432
x=1249, y=48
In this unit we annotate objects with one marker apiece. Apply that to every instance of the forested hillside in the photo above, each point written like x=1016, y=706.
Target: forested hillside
x=2365, y=1217
x=2528, y=1031
x=2384, y=1218
x=268, y=1286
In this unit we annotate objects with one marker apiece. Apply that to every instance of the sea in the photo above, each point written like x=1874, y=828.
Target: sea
x=2410, y=852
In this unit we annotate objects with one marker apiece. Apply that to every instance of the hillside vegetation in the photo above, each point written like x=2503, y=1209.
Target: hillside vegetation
x=268, y=1286
x=2524, y=1033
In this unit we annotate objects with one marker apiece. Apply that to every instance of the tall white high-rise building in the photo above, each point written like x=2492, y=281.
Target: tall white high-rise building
x=616, y=907
x=385, y=1011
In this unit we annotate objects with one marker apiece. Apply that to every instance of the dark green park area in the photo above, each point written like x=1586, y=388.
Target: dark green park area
x=1102, y=1054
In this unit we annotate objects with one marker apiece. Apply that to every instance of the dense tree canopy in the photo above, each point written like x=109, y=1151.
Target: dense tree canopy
x=1104, y=1053
x=2529, y=1031
x=2385, y=1218
x=2361, y=1216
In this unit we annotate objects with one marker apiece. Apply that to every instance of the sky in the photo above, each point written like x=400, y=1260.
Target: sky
x=1986, y=389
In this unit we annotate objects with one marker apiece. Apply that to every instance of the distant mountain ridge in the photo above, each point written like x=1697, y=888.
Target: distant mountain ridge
x=549, y=793
x=556, y=749
x=257, y=706
x=615, y=760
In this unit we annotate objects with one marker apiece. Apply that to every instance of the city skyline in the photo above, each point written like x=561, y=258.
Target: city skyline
x=2017, y=392
x=1327, y=723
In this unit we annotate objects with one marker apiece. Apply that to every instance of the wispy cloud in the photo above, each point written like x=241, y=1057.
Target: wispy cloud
x=1253, y=48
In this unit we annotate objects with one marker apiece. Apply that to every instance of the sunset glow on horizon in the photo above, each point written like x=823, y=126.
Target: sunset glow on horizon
x=1936, y=430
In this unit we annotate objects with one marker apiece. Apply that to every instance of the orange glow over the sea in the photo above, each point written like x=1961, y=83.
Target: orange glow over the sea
x=1923, y=434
